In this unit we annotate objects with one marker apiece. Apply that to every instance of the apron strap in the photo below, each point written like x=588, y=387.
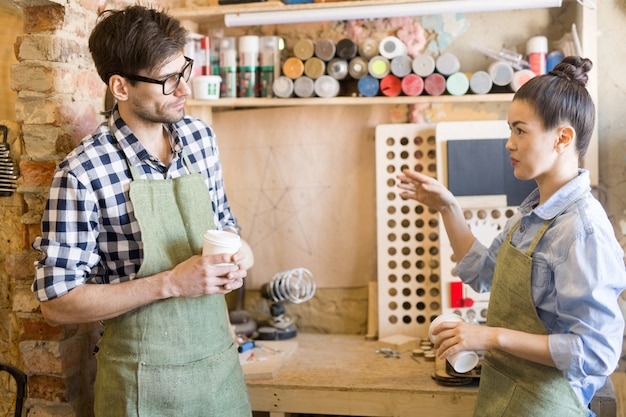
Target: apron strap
x=549, y=222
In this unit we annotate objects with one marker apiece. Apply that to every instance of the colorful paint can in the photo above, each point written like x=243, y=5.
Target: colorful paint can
x=435, y=84
x=412, y=85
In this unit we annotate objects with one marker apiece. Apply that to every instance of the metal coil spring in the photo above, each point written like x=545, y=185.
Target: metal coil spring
x=296, y=286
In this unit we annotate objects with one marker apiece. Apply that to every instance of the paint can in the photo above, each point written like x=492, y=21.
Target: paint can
x=391, y=86
x=501, y=73
x=368, y=48
x=457, y=84
x=325, y=49
x=368, y=86
x=314, y=67
x=304, y=87
x=228, y=67
x=357, y=67
x=401, y=66
x=283, y=87
x=304, y=49
x=537, y=51
x=447, y=64
x=480, y=82
x=293, y=67
x=346, y=49
x=391, y=47
x=378, y=67
x=520, y=78
x=269, y=59
x=412, y=85
x=248, y=66
x=435, y=84
x=423, y=65
x=337, y=68
x=326, y=86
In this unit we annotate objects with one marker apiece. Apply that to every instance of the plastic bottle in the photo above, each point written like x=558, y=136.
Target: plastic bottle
x=228, y=67
x=248, y=66
x=537, y=51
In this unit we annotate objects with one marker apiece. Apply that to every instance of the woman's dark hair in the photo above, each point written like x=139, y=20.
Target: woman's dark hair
x=561, y=96
x=133, y=39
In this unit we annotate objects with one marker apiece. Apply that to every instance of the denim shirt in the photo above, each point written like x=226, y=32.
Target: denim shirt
x=578, y=275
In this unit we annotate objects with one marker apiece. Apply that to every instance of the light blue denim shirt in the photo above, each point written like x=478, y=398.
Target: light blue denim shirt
x=578, y=274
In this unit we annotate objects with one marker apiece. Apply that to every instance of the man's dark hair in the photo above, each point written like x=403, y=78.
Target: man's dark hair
x=133, y=39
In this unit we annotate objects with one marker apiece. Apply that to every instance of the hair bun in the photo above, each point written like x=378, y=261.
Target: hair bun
x=573, y=68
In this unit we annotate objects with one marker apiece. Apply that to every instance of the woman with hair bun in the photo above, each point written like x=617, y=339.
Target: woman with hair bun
x=554, y=326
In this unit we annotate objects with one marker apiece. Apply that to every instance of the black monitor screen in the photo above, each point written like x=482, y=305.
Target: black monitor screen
x=483, y=167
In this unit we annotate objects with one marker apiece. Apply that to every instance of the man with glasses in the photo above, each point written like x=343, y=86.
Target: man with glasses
x=122, y=230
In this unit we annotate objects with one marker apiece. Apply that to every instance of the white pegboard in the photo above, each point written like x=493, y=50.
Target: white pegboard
x=409, y=293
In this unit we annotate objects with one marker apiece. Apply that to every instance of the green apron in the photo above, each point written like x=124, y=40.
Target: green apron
x=511, y=386
x=172, y=357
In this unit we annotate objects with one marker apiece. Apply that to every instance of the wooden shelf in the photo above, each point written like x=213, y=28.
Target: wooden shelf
x=215, y=14
x=350, y=101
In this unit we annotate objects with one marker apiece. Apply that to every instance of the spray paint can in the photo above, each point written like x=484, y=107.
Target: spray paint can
x=368, y=48
x=337, y=68
x=304, y=87
x=346, y=49
x=423, y=65
x=379, y=67
x=228, y=67
x=412, y=85
x=480, y=82
x=248, y=66
x=314, y=67
x=304, y=49
x=447, y=64
x=268, y=60
x=368, y=86
x=391, y=47
x=326, y=86
x=537, y=51
x=325, y=49
x=457, y=84
x=283, y=87
x=357, y=67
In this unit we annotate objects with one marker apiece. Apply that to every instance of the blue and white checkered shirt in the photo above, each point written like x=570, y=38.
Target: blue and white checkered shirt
x=89, y=230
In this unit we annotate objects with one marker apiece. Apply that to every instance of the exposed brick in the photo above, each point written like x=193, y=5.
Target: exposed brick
x=46, y=47
x=24, y=301
x=46, y=387
x=41, y=357
x=30, y=76
x=44, y=18
x=20, y=264
x=40, y=141
x=37, y=173
x=38, y=329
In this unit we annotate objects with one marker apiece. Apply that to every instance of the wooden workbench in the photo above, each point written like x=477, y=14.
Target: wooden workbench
x=343, y=375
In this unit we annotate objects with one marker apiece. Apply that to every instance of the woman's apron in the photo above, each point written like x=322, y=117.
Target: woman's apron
x=172, y=357
x=511, y=386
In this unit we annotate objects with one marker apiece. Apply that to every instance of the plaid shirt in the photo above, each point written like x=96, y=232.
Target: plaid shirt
x=89, y=231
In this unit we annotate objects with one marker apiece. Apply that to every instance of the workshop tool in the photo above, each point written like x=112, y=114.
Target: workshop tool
x=8, y=169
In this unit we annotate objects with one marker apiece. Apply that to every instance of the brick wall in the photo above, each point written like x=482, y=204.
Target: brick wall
x=59, y=97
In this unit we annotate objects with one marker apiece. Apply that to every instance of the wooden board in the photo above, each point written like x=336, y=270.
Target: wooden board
x=265, y=359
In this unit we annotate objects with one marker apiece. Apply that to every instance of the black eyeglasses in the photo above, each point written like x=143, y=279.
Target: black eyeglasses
x=169, y=83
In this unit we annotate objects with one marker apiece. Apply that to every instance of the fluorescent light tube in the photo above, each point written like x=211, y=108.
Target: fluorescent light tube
x=366, y=11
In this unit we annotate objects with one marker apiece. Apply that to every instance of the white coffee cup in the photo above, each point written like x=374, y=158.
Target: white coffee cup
x=463, y=361
x=220, y=241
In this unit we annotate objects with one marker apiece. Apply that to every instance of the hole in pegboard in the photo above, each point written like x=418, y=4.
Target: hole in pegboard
x=411, y=229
